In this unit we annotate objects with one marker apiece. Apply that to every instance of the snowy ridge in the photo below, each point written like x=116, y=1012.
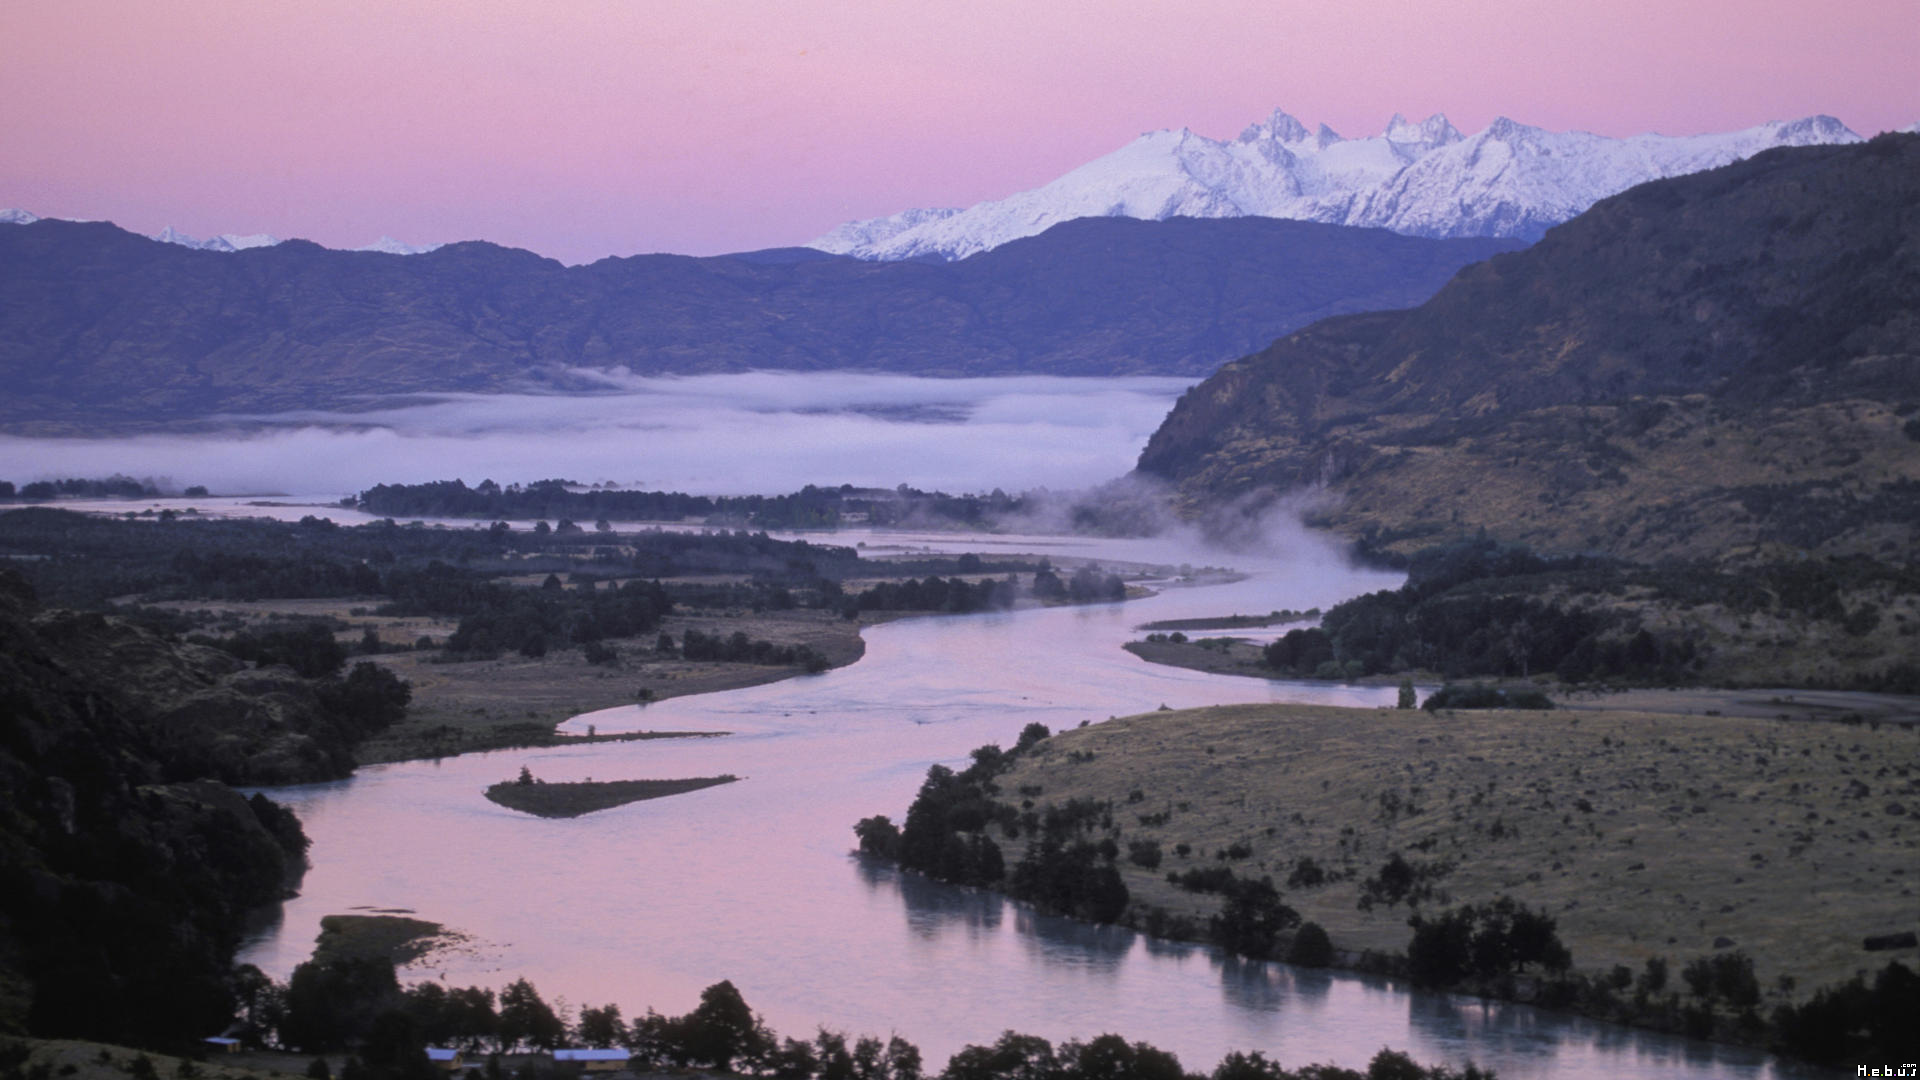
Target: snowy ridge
x=387, y=245
x=230, y=242
x=223, y=242
x=1423, y=179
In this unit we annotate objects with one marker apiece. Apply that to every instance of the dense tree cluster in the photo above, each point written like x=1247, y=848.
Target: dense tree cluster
x=1855, y=1021
x=1089, y=584
x=737, y=648
x=1062, y=869
x=1483, y=941
x=1065, y=870
x=1482, y=696
x=530, y=621
x=111, y=487
x=935, y=594
x=1485, y=609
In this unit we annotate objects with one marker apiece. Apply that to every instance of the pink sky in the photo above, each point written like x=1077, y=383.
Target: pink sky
x=581, y=128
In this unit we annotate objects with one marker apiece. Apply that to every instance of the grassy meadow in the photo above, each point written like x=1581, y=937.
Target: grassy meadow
x=1643, y=834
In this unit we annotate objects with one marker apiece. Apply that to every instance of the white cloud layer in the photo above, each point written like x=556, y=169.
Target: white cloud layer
x=714, y=434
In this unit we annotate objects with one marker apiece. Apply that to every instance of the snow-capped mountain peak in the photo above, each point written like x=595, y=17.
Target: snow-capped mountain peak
x=17, y=217
x=1425, y=179
x=1435, y=130
x=1281, y=127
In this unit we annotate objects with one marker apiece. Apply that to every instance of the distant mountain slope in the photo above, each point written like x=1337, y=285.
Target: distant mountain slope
x=1711, y=365
x=1422, y=179
x=231, y=242
x=100, y=326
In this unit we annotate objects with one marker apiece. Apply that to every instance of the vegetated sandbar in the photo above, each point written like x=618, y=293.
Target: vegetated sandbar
x=1233, y=622
x=1643, y=834
x=398, y=939
x=574, y=799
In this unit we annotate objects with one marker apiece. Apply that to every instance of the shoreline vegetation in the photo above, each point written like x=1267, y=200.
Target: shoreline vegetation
x=1479, y=609
x=1640, y=868
x=569, y=799
x=344, y=1012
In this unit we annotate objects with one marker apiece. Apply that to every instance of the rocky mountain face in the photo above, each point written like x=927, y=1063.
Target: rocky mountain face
x=101, y=327
x=1424, y=179
x=124, y=877
x=1724, y=365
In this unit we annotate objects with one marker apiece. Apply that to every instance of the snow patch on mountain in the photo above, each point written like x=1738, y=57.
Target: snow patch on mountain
x=228, y=242
x=1423, y=179
x=387, y=245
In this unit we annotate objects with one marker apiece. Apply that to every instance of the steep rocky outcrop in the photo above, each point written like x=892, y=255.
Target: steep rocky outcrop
x=1723, y=365
x=123, y=878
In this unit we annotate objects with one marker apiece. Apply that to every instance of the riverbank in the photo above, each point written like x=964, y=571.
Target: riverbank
x=1237, y=656
x=518, y=701
x=1646, y=836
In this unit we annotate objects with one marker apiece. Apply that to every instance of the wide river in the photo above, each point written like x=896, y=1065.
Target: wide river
x=646, y=904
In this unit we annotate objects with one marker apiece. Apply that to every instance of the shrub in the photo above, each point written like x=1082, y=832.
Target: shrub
x=1144, y=853
x=1311, y=946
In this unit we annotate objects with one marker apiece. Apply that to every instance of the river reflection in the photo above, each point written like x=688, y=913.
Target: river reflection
x=646, y=904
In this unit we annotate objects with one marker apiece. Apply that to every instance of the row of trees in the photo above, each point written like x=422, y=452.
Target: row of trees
x=810, y=507
x=936, y=594
x=111, y=487
x=1087, y=585
x=358, y=1005
x=737, y=648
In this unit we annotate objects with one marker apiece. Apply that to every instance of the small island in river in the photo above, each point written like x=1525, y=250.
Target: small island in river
x=531, y=796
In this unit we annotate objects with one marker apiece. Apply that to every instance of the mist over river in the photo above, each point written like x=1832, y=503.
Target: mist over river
x=646, y=904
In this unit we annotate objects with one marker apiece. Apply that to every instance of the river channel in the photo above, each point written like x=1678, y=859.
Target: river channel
x=645, y=904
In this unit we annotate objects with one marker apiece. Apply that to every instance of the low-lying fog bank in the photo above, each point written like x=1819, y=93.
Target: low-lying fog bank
x=714, y=434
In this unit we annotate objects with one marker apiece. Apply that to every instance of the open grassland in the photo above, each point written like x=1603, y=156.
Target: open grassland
x=1643, y=834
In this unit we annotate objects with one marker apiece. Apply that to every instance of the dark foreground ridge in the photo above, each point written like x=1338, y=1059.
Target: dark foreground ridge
x=123, y=876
